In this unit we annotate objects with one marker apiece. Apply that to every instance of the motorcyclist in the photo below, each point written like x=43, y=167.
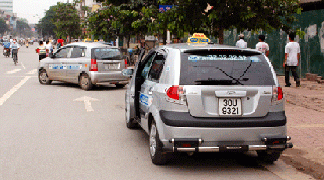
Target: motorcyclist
x=6, y=47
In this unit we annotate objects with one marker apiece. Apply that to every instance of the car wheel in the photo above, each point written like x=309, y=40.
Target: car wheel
x=130, y=124
x=85, y=82
x=158, y=157
x=43, y=77
x=120, y=85
x=269, y=156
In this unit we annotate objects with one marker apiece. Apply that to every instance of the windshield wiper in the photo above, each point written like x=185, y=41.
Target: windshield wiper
x=215, y=82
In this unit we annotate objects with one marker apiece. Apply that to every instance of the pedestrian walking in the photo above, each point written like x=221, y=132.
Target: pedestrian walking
x=262, y=46
x=241, y=43
x=41, y=50
x=292, y=58
x=49, y=47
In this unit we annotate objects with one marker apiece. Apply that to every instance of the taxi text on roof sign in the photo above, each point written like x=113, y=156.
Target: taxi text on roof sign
x=198, y=38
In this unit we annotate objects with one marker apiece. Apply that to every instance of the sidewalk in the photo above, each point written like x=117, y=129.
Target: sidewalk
x=305, y=124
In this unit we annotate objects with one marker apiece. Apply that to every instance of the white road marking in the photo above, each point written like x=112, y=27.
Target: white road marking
x=23, y=65
x=32, y=71
x=13, y=71
x=87, y=102
x=6, y=96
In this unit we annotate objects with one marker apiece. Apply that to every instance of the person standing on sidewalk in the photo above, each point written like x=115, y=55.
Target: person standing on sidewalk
x=241, y=43
x=262, y=46
x=292, y=57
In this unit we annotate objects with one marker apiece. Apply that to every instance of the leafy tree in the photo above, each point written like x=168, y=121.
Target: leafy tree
x=46, y=25
x=23, y=28
x=67, y=21
x=3, y=26
x=208, y=16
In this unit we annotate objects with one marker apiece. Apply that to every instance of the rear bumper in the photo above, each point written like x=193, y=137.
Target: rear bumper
x=194, y=145
x=114, y=77
x=184, y=119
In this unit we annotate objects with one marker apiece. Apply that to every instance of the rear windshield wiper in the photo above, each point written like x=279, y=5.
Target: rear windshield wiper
x=215, y=82
x=110, y=58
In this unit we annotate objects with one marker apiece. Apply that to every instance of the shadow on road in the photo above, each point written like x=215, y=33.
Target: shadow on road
x=95, y=88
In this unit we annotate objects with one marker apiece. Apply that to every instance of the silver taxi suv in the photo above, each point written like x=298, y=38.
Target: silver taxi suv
x=86, y=64
x=207, y=98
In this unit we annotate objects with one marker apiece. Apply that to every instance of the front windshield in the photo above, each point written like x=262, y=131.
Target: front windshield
x=224, y=67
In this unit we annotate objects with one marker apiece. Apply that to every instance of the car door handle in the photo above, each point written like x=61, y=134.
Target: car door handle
x=150, y=91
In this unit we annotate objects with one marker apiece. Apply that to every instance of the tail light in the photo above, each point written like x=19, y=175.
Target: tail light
x=277, y=94
x=125, y=63
x=176, y=94
x=94, y=65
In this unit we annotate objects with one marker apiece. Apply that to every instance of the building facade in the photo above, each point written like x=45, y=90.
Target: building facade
x=6, y=6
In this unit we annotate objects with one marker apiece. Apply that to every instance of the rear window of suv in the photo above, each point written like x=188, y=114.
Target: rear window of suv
x=224, y=67
x=107, y=54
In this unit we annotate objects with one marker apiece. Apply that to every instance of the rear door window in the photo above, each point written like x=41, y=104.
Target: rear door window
x=224, y=67
x=156, y=68
x=78, y=52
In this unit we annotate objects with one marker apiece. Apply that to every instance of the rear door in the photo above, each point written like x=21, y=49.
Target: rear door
x=226, y=83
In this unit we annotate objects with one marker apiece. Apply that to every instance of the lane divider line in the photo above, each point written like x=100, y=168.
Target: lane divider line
x=23, y=65
x=32, y=71
x=6, y=96
x=13, y=71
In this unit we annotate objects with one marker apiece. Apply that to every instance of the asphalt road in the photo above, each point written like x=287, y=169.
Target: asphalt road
x=45, y=133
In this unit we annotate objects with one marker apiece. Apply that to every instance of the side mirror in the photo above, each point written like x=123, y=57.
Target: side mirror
x=51, y=55
x=128, y=72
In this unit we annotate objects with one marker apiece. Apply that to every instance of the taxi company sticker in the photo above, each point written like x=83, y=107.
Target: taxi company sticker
x=61, y=66
x=145, y=100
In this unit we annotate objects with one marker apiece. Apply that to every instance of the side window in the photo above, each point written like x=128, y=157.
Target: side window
x=78, y=52
x=156, y=68
x=63, y=53
x=147, y=66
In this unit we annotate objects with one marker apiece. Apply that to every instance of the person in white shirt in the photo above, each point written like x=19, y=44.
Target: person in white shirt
x=262, y=46
x=292, y=57
x=49, y=47
x=241, y=43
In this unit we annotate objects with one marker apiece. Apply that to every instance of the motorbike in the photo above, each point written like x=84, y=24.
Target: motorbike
x=6, y=52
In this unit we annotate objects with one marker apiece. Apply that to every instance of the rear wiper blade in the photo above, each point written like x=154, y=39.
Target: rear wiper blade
x=215, y=82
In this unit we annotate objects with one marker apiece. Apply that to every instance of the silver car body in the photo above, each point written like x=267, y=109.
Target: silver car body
x=74, y=59
x=196, y=115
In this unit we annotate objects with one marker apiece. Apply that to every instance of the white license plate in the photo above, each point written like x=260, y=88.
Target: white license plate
x=230, y=106
x=112, y=66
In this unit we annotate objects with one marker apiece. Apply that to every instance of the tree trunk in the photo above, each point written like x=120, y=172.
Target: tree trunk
x=164, y=37
x=221, y=35
x=128, y=39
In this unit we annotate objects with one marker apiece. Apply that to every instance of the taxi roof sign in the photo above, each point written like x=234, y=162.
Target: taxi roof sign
x=198, y=38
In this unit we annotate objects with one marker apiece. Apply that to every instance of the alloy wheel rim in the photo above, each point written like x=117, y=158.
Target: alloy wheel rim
x=84, y=81
x=153, y=140
x=43, y=77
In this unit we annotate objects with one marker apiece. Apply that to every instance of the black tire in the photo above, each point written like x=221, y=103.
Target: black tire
x=269, y=156
x=85, y=82
x=43, y=77
x=130, y=122
x=157, y=155
x=120, y=85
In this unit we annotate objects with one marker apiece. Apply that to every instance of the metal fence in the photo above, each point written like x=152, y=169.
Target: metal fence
x=312, y=44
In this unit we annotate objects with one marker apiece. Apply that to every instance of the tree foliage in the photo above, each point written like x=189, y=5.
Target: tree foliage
x=23, y=28
x=46, y=25
x=67, y=21
x=3, y=26
x=207, y=16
